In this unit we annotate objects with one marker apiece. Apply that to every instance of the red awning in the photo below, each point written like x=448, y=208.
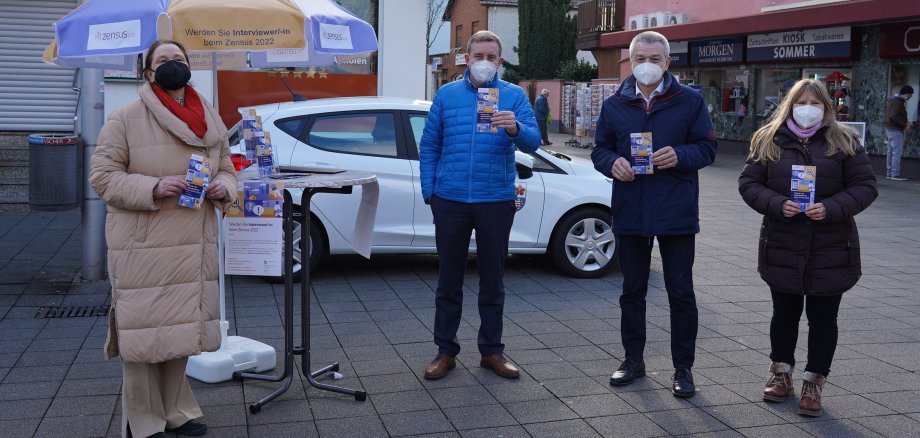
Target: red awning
x=853, y=12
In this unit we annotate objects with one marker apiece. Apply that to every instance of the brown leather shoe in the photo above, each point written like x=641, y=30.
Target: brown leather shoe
x=439, y=367
x=500, y=366
x=810, y=404
x=780, y=385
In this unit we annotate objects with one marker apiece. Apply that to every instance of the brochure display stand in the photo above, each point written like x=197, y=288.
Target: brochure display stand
x=236, y=352
x=312, y=184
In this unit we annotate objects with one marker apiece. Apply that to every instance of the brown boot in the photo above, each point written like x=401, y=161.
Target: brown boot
x=500, y=366
x=810, y=404
x=780, y=385
x=439, y=367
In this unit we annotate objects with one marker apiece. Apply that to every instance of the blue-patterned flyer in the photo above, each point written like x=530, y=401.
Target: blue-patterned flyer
x=264, y=155
x=262, y=198
x=640, y=148
x=486, y=107
x=803, y=185
x=198, y=177
x=252, y=128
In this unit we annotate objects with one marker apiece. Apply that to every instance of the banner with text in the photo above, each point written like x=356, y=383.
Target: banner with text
x=825, y=43
x=720, y=51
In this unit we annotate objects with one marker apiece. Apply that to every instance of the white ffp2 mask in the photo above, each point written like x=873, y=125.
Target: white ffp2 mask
x=648, y=73
x=807, y=116
x=483, y=71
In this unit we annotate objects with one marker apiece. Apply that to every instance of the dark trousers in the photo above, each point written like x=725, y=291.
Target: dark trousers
x=821, y=312
x=677, y=253
x=454, y=222
x=543, y=134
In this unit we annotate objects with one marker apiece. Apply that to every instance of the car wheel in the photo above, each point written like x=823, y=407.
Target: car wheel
x=317, y=240
x=583, y=244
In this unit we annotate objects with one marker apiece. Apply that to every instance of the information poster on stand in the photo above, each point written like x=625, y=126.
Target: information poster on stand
x=252, y=246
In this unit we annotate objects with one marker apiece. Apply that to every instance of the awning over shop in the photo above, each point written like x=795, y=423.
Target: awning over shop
x=852, y=12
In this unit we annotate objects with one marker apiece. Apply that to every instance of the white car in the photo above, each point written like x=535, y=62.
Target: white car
x=566, y=203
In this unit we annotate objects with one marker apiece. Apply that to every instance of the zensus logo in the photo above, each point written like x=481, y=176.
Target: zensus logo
x=105, y=36
x=108, y=36
x=335, y=36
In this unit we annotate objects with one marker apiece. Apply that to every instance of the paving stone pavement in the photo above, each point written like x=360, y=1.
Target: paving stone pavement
x=375, y=317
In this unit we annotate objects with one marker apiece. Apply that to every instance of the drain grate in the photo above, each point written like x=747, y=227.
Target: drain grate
x=71, y=311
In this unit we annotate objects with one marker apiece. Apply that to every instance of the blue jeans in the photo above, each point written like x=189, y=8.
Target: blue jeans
x=677, y=253
x=453, y=224
x=895, y=150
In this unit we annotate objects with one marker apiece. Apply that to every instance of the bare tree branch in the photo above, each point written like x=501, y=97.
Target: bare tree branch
x=433, y=22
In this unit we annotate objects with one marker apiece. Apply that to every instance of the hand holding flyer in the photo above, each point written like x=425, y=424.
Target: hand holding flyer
x=486, y=107
x=197, y=178
x=640, y=147
x=803, y=185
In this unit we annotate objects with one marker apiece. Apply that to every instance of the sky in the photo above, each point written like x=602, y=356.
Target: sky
x=442, y=41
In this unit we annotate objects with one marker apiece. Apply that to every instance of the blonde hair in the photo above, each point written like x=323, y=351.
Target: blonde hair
x=484, y=36
x=839, y=138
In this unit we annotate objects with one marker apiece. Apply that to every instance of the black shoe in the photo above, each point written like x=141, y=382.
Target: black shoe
x=628, y=371
x=549, y=143
x=190, y=428
x=683, y=383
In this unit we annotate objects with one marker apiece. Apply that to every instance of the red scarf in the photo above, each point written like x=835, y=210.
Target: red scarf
x=192, y=113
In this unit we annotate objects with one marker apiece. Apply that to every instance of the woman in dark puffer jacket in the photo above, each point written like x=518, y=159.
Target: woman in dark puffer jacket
x=809, y=256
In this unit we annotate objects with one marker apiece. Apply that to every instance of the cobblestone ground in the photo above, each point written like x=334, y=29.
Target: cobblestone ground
x=375, y=317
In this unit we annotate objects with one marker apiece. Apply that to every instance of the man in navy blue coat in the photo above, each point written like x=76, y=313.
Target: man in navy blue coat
x=663, y=204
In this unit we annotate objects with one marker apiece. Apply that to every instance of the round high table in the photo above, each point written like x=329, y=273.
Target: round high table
x=312, y=183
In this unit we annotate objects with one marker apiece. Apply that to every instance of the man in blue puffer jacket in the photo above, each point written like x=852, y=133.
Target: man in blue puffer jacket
x=468, y=178
x=663, y=204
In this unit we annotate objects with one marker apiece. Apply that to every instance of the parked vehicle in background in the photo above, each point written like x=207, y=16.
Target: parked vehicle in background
x=564, y=204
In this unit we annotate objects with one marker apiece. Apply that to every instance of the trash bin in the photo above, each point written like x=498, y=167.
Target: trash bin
x=54, y=166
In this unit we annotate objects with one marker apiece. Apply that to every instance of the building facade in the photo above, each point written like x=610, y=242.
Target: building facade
x=38, y=98
x=743, y=57
x=467, y=17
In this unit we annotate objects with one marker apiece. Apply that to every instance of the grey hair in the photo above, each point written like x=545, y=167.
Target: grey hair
x=650, y=37
x=484, y=36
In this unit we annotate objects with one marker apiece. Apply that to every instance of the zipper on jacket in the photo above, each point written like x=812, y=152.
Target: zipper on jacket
x=806, y=153
x=806, y=274
x=469, y=172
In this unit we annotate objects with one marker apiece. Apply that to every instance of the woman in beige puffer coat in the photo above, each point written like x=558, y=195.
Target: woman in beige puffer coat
x=162, y=258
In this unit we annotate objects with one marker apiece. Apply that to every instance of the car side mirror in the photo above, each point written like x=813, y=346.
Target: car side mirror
x=523, y=164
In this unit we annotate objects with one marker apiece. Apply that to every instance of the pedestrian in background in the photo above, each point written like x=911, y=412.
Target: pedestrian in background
x=541, y=112
x=162, y=257
x=468, y=177
x=809, y=257
x=896, y=125
x=652, y=105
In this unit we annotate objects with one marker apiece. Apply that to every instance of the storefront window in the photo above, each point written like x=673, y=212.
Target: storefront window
x=838, y=82
x=684, y=76
x=902, y=75
x=773, y=85
x=711, y=81
x=736, y=92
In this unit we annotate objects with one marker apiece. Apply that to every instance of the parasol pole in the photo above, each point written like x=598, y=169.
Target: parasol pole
x=214, y=79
